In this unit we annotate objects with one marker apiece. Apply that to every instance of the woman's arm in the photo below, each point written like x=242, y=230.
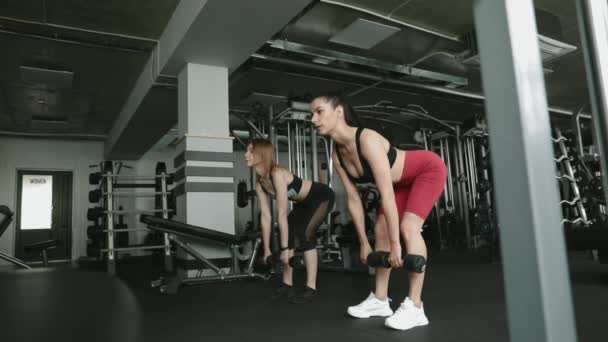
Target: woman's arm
x=355, y=208
x=280, y=188
x=373, y=151
x=265, y=219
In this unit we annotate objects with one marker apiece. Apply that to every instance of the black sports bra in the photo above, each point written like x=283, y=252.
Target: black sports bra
x=367, y=176
x=293, y=189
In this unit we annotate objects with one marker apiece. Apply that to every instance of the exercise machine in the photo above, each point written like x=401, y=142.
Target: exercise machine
x=6, y=217
x=180, y=233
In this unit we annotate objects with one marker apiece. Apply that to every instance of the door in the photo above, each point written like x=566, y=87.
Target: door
x=44, y=212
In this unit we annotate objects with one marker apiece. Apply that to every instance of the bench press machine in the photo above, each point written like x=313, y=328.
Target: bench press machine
x=179, y=233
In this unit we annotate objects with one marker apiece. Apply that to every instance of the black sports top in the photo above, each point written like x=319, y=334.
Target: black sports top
x=367, y=176
x=293, y=189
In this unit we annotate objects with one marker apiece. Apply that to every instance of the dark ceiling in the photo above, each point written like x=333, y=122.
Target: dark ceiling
x=105, y=45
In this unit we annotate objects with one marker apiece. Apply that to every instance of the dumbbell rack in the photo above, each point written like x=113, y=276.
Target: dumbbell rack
x=565, y=160
x=107, y=185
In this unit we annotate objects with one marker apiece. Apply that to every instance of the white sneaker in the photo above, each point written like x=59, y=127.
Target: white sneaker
x=371, y=306
x=407, y=316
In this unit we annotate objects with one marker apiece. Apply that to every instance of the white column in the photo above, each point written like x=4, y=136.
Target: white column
x=204, y=161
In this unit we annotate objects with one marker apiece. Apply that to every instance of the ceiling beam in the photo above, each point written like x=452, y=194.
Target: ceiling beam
x=213, y=32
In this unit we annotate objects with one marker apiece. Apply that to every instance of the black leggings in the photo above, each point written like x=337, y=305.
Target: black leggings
x=307, y=215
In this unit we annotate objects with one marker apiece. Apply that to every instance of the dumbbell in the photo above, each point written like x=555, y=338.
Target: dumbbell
x=412, y=262
x=297, y=262
x=94, y=196
x=484, y=186
x=270, y=261
x=94, y=213
x=93, y=250
x=485, y=162
x=94, y=178
x=95, y=232
x=378, y=259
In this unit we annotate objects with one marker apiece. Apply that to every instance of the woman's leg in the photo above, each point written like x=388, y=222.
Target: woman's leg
x=311, y=261
x=377, y=303
x=292, y=222
x=426, y=188
x=411, y=231
x=382, y=244
x=308, y=237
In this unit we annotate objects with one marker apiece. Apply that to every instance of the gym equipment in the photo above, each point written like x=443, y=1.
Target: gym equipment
x=486, y=163
x=483, y=218
x=116, y=234
x=379, y=259
x=271, y=261
x=415, y=263
x=122, y=231
x=96, y=195
x=160, y=185
x=96, y=177
x=95, y=232
x=176, y=231
x=6, y=217
x=243, y=195
x=95, y=213
x=484, y=186
x=412, y=262
x=42, y=247
x=297, y=262
x=565, y=161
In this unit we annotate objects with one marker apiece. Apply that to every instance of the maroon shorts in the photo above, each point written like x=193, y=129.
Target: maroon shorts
x=421, y=184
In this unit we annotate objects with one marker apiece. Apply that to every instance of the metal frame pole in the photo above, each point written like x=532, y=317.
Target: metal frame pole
x=111, y=264
x=168, y=259
x=592, y=19
x=445, y=188
x=304, y=151
x=289, y=152
x=537, y=284
x=298, y=152
x=450, y=174
x=315, y=154
x=464, y=207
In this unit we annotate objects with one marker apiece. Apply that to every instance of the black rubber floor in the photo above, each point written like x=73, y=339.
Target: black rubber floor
x=463, y=297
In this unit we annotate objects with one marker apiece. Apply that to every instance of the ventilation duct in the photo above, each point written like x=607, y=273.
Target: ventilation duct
x=549, y=40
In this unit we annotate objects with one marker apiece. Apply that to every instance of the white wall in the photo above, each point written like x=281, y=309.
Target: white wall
x=55, y=155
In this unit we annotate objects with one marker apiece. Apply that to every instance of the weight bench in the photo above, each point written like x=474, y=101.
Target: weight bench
x=42, y=247
x=177, y=231
x=6, y=217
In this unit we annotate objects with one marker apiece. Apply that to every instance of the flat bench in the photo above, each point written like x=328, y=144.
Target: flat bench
x=179, y=233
